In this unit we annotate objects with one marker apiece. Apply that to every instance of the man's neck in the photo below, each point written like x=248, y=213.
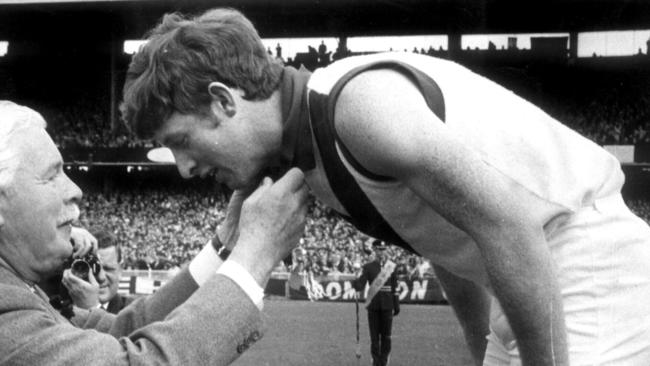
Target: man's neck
x=267, y=117
x=12, y=269
x=289, y=100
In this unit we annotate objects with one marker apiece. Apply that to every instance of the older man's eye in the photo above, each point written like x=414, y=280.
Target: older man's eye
x=52, y=173
x=51, y=177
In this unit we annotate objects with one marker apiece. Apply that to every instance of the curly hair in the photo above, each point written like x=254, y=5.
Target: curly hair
x=171, y=72
x=13, y=118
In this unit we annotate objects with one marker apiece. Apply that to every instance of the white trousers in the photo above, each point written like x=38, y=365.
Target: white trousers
x=602, y=257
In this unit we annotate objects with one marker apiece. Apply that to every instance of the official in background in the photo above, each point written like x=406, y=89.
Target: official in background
x=383, y=305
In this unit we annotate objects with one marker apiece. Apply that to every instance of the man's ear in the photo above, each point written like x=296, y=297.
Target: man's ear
x=223, y=101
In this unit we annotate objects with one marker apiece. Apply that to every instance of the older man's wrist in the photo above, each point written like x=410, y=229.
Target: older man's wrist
x=245, y=280
x=204, y=264
x=216, y=242
x=257, y=264
x=222, y=251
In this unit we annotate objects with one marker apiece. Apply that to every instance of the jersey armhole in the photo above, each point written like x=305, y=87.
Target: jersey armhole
x=427, y=86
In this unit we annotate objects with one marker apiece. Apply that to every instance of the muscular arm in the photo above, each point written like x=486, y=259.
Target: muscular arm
x=384, y=121
x=471, y=303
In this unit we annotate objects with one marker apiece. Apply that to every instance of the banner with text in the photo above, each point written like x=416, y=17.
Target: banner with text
x=423, y=291
x=322, y=288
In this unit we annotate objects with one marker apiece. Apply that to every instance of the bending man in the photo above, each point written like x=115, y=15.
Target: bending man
x=522, y=217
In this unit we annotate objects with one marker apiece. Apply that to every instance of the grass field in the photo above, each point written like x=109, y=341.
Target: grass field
x=323, y=333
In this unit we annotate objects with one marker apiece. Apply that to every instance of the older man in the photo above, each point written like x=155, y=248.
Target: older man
x=207, y=315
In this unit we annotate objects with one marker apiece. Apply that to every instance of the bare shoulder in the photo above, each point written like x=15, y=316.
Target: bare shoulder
x=378, y=115
x=372, y=89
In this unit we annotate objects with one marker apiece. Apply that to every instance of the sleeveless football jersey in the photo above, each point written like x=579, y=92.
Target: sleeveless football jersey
x=510, y=134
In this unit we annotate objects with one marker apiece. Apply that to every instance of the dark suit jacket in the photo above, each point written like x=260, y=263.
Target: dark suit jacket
x=119, y=302
x=384, y=300
x=178, y=325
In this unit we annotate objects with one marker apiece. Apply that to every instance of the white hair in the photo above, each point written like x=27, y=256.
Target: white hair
x=13, y=118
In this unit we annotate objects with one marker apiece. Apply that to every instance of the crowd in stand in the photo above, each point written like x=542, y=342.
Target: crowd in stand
x=610, y=111
x=148, y=224
x=156, y=237
x=332, y=246
x=86, y=124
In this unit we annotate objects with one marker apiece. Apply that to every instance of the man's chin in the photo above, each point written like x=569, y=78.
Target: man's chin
x=248, y=185
x=53, y=268
x=103, y=295
x=64, y=244
x=57, y=265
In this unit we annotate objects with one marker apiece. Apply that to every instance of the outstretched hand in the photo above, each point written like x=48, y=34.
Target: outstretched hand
x=271, y=223
x=228, y=231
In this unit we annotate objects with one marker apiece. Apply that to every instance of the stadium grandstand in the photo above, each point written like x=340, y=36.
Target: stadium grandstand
x=67, y=59
x=587, y=63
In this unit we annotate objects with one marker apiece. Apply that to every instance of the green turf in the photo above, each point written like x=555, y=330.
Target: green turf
x=322, y=333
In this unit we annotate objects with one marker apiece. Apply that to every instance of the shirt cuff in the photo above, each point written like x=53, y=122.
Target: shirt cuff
x=204, y=264
x=245, y=280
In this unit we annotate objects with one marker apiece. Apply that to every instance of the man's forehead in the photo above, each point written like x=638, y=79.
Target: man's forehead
x=107, y=255
x=34, y=145
x=176, y=124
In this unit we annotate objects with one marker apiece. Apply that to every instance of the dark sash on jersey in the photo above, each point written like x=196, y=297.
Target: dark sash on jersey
x=362, y=213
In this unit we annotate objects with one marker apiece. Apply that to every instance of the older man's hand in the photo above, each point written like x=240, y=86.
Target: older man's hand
x=228, y=231
x=271, y=223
